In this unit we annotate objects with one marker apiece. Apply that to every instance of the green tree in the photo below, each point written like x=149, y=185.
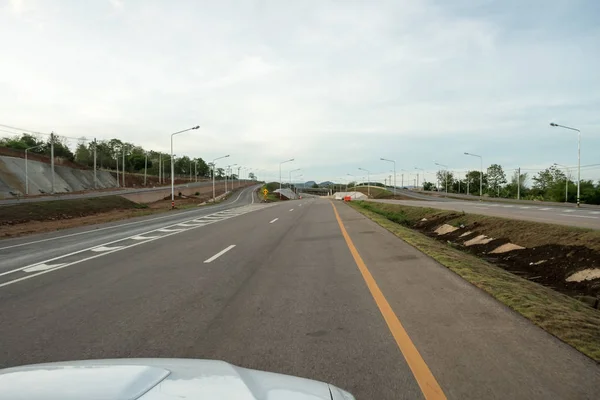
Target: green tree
x=251, y=175
x=546, y=179
x=472, y=179
x=496, y=178
x=442, y=175
x=315, y=186
x=428, y=186
x=510, y=190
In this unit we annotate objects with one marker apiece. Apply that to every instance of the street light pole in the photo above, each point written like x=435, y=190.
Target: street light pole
x=26, y=171
x=420, y=169
x=385, y=159
x=578, y=156
x=368, y=180
x=173, y=165
x=445, y=166
x=213, y=175
x=566, y=181
x=145, y=168
x=283, y=162
x=480, y=173
x=294, y=170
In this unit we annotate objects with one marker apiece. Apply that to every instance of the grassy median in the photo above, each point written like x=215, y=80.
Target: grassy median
x=564, y=317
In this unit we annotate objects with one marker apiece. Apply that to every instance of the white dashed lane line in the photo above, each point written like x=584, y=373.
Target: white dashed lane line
x=291, y=209
x=274, y=220
x=578, y=216
x=219, y=254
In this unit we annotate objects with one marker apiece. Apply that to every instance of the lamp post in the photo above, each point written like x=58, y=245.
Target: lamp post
x=445, y=166
x=392, y=161
x=420, y=169
x=354, y=179
x=480, y=173
x=213, y=175
x=228, y=168
x=566, y=181
x=173, y=165
x=578, y=156
x=368, y=180
x=26, y=171
x=283, y=162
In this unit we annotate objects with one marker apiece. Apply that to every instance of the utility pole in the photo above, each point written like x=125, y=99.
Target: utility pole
x=52, y=158
x=146, y=169
x=117, y=159
x=123, y=166
x=519, y=183
x=95, y=178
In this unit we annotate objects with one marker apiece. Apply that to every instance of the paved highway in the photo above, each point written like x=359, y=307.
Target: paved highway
x=298, y=287
x=581, y=217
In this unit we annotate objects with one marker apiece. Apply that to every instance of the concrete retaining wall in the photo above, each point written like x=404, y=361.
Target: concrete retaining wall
x=66, y=179
x=156, y=195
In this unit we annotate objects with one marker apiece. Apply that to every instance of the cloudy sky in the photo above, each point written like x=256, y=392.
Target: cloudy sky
x=334, y=84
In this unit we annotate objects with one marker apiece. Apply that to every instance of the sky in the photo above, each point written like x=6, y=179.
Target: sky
x=336, y=85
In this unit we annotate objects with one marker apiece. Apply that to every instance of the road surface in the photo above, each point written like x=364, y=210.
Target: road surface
x=296, y=287
x=580, y=217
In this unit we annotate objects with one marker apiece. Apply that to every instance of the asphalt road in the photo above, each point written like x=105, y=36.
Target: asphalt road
x=279, y=287
x=571, y=216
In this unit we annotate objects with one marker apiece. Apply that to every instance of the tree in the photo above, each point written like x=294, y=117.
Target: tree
x=444, y=175
x=315, y=186
x=473, y=182
x=24, y=142
x=496, y=178
x=428, y=186
x=547, y=178
x=511, y=188
x=83, y=155
x=251, y=175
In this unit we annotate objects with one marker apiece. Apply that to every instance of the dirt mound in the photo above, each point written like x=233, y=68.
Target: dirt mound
x=550, y=265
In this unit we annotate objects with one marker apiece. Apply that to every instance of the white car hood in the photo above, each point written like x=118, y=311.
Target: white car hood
x=157, y=379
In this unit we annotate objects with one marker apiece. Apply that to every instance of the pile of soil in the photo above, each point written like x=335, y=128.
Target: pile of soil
x=63, y=209
x=549, y=264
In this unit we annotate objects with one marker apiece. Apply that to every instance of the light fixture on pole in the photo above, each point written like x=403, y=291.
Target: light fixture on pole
x=480, y=173
x=213, y=174
x=392, y=161
x=446, y=173
x=368, y=179
x=578, y=155
x=294, y=170
x=283, y=162
x=173, y=165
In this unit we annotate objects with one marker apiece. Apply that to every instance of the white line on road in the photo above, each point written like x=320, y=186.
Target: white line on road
x=578, y=216
x=291, y=209
x=95, y=230
x=569, y=211
x=545, y=209
x=595, y=212
x=106, y=248
x=42, y=267
x=219, y=254
x=274, y=220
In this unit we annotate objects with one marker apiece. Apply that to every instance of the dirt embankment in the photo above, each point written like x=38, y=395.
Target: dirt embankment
x=563, y=258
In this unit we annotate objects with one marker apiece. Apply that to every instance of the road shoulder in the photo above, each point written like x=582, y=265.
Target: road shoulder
x=463, y=333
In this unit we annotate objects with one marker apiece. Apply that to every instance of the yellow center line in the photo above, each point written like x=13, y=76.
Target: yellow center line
x=429, y=386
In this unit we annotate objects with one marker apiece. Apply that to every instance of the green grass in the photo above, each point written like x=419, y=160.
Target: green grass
x=562, y=316
x=64, y=209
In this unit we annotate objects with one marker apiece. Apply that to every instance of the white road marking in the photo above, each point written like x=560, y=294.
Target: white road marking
x=188, y=225
x=291, y=209
x=143, y=237
x=545, y=209
x=106, y=248
x=170, y=230
x=482, y=208
x=219, y=254
x=508, y=206
x=274, y=220
x=42, y=267
x=595, y=212
x=525, y=208
x=578, y=216
x=569, y=211
x=107, y=227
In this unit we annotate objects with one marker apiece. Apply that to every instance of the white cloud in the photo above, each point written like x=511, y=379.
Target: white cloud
x=332, y=84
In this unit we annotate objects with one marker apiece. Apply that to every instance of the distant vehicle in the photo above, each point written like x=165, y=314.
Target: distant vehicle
x=156, y=378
